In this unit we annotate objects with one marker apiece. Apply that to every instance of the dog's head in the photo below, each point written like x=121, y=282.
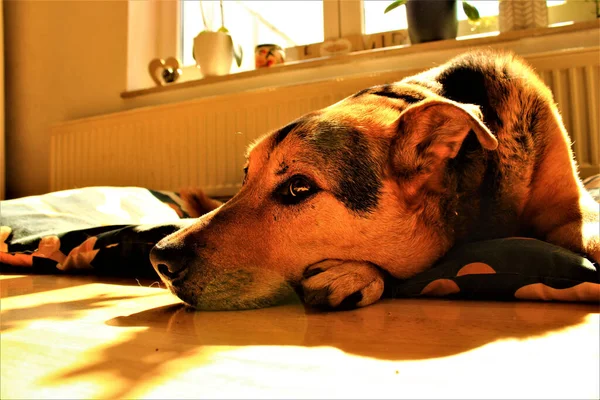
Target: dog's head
x=354, y=181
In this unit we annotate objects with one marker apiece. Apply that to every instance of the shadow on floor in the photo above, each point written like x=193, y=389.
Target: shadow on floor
x=389, y=330
x=60, y=311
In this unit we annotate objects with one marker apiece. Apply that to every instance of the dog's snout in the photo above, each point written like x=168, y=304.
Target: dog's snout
x=170, y=271
x=169, y=261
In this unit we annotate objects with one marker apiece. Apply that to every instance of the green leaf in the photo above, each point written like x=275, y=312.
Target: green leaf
x=223, y=29
x=395, y=4
x=471, y=12
x=238, y=55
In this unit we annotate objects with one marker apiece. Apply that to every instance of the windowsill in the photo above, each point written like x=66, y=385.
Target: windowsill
x=462, y=42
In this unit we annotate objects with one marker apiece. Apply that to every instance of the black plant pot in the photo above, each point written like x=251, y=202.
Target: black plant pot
x=430, y=20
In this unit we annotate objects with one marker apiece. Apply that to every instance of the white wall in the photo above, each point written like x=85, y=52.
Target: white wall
x=63, y=60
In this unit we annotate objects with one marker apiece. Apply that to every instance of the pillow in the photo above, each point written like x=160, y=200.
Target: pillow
x=592, y=184
x=506, y=269
x=111, y=230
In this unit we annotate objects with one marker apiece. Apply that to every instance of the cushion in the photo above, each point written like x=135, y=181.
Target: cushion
x=109, y=231
x=506, y=269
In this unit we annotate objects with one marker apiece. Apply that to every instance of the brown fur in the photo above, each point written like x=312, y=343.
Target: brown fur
x=196, y=203
x=386, y=182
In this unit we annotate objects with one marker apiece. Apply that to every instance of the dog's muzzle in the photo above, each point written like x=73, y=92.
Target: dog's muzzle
x=170, y=262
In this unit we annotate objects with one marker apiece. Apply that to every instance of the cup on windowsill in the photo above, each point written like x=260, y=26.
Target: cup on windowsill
x=267, y=55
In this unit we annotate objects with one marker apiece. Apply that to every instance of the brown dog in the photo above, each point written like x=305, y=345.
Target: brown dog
x=388, y=179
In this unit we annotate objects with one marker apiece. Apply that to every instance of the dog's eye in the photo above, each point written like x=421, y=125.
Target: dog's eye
x=295, y=190
x=299, y=187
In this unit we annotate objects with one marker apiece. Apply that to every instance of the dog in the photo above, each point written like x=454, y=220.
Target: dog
x=382, y=184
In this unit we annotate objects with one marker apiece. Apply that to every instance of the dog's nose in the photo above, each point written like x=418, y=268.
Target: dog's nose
x=168, y=261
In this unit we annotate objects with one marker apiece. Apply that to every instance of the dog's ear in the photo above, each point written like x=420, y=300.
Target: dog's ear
x=429, y=134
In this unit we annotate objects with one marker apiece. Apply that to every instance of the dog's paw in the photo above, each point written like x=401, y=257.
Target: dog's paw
x=342, y=284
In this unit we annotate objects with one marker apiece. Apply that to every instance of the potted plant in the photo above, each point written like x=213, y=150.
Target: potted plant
x=214, y=50
x=430, y=20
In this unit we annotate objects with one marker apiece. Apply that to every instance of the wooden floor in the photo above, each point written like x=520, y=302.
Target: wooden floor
x=66, y=337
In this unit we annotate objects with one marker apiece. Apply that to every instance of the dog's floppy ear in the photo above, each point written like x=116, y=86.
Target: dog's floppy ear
x=432, y=132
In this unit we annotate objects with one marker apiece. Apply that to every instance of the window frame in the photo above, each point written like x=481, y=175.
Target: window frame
x=169, y=29
x=351, y=15
x=341, y=18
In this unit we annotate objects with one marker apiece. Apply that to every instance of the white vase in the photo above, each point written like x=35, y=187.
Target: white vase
x=522, y=14
x=213, y=52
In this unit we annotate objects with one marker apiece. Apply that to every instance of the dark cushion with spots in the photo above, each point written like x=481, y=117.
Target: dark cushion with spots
x=506, y=269
x=110, y=231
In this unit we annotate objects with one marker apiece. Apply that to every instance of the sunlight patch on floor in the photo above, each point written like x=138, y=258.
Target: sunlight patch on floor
x=7, y=277
x=75, y=347
x=101, y=292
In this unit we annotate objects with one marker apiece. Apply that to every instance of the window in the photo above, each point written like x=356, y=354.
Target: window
x=292, y=23
x=376, y=21
x=250, y=23
x=559, y=11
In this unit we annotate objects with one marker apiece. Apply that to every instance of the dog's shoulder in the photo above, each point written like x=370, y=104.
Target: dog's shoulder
x=475, y=64
x=491, y=79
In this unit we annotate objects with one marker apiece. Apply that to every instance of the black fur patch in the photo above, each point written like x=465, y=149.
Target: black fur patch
x=393, y=92
x=312, y=272
x=534, y=115
x=350, y=302
x=347, y=159
x=349, y=162
x=362, y=92
x=283, y=167
x=467, y=84
x=284, y=132
x=396, y=92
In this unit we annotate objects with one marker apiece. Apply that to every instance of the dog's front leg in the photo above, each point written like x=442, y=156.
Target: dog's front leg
x=342, y=284
x=580, y=232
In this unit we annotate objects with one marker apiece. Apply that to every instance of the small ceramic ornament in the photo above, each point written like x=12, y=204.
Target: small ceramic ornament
x=164, y=72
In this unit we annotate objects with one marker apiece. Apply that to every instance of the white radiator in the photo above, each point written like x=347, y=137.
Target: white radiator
x=202, y=142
